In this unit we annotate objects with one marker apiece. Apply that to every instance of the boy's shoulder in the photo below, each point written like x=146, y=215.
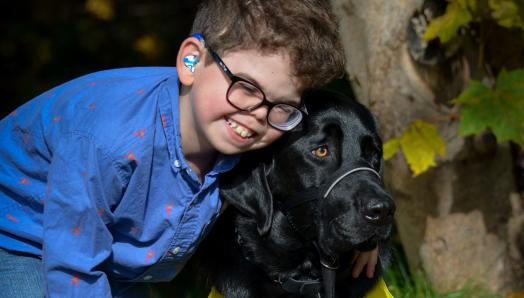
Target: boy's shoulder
x=117, y=106
x=130, y=72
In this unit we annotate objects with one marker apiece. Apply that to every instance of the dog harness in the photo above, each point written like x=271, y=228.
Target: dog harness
x=329, y=264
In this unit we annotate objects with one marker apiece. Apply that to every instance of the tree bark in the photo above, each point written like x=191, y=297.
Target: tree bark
x=472, y=191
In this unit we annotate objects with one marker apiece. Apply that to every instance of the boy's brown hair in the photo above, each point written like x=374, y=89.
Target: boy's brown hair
x=304, y=29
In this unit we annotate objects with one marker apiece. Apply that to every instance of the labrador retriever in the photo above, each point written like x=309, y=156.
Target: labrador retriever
x=302, y=208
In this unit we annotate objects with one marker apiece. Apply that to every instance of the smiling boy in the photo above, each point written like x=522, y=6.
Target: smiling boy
x=109, y=181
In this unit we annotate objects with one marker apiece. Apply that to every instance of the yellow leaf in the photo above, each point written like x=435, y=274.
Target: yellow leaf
x=420, y=143
x=102, y=9
x=446, y=26
x=390, y=148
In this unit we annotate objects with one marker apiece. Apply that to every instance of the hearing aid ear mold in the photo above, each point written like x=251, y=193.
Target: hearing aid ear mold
x=190, y=61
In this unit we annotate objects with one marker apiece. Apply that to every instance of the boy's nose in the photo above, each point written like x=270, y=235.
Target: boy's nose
x=260, y=113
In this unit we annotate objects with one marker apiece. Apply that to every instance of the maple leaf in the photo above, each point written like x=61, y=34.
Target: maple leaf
x=501, y=109
x=445, y=27
x=390, y=148
x=420, y=143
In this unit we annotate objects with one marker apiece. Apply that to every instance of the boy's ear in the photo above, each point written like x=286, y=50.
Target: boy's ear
x=190, y=49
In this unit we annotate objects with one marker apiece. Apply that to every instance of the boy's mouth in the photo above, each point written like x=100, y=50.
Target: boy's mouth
x=239, y=129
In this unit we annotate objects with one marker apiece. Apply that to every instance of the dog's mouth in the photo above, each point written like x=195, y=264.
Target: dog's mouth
x=367, y=245
x=337, y=240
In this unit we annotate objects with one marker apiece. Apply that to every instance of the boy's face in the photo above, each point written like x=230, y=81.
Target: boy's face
x=221, y=126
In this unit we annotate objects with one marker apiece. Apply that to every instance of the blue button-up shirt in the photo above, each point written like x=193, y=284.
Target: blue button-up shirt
x=93, y=180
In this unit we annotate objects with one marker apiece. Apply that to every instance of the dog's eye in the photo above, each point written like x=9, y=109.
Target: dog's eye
x=321, y=151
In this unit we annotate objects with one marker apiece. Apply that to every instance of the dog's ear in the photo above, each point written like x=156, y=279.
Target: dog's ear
x=246, y=188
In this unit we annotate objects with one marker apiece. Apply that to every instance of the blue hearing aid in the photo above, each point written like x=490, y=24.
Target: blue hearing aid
x=198, y=36
x=190, y=61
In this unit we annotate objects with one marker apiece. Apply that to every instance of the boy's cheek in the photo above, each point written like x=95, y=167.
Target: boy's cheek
x=272, y=135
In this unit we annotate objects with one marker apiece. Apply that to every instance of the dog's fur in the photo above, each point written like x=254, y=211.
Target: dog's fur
x=253, y=243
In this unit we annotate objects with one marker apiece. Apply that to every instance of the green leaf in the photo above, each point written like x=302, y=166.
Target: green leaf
x=446, y=26
x=506, y=13
x=390, y=148
x=420, y=143
x=501, y=109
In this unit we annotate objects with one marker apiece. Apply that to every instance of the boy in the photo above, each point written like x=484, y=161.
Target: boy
x=109, y=181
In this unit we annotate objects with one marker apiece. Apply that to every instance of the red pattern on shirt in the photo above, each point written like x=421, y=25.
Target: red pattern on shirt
x=130, y=155
x=75, y=231
x=12, y=218
x=150, y=254
x=140, y=133
x=169, y=207
x=75, y=280
x=24, y=181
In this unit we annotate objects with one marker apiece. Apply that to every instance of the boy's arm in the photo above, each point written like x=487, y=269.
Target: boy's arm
x=81, y=181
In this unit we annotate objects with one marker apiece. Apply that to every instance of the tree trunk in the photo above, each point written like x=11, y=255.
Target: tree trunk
x=458, y=221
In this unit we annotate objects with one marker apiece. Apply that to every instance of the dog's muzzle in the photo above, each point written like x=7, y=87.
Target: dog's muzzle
x=375, y=212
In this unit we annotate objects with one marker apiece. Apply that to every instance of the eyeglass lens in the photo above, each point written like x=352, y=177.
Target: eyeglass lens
x=246, y=96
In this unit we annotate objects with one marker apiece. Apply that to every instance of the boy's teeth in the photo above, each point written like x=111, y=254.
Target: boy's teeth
x=239, y=129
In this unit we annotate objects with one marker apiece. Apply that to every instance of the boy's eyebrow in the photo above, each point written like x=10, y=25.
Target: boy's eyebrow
x=287, y=100
x=248, y=77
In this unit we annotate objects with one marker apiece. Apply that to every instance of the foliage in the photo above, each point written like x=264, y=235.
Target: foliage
x=420, y=142
x=506, y=13
x=446, y=26
x=499, y=108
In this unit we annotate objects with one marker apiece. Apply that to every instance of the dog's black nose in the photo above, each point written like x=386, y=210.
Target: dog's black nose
x=379, y=212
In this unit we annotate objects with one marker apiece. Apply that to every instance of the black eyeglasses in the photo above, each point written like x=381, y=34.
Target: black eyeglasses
x=246, y=96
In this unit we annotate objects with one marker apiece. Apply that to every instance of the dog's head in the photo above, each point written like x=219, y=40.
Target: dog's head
x=308, y=175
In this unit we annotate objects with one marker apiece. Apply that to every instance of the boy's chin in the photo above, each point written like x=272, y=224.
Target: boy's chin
x=232, y=151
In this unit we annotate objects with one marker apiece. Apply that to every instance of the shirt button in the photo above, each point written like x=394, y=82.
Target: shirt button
x=176, y=250
x=148, y=277
x=176, y=163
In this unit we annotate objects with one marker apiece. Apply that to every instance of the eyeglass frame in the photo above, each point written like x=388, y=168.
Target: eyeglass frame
x=234, y=78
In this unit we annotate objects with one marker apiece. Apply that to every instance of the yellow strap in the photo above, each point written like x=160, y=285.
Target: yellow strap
x=214, y=294
x=379, y=291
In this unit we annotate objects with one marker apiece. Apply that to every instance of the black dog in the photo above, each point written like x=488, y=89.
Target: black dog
x=302, y=208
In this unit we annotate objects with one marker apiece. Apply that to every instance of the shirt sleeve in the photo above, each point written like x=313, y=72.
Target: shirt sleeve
x=82, y=187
